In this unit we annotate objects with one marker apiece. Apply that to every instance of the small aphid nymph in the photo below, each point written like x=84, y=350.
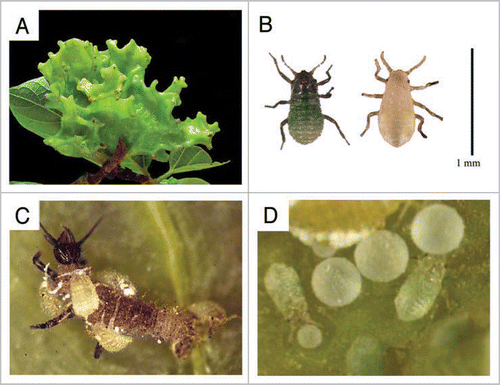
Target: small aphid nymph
x=305, y=120
x=396, y=117
x=111, y=310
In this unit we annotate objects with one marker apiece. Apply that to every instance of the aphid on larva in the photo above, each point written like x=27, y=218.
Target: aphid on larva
x=396, y=117
x=282, y=283
x=112, y=312
x=330, y=225
x=420, y=290
x=305, y=120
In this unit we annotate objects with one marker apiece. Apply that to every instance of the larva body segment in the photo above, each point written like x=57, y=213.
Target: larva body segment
x=129, y=315
x=396, y=117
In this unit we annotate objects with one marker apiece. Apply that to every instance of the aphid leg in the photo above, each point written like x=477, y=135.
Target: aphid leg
x=283, y=132
x=327, y=95
x=338, y=128
x=278, y=103
x=429, y=111
x=419, y=129
x=368, y=120
x=314, y=69
x=413, y=88
x=380, y=96
x=97, y=351
x=279, y=71
x=67, y=314
x=323, y=82
x=43, y=267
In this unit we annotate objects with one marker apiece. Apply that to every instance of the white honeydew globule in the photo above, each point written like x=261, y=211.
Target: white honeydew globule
x=309, y=336
x=336, y=282
x=382, y=256
x=437, y=229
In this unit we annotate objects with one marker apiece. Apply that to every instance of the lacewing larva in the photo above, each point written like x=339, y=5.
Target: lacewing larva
x=112, y=312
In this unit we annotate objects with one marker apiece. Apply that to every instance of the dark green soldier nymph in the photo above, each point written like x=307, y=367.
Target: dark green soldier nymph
x=305, y=120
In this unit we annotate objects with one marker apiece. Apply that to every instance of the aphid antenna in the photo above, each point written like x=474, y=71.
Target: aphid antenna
x=314, y=69
x=416, y=66
x=284, y=77
x=290, y=68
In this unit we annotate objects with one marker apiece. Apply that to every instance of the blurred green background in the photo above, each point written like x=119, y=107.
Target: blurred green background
x=452, y=339
x=175, y=253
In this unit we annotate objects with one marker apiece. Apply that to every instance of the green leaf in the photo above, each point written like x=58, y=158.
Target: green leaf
x=173, y=180
x=188, y=156
x=192, y=181
x=17, y=182
x=143, y=161
x=188, y=159
x=28, y=104
x=171, y=253
x=170, y=180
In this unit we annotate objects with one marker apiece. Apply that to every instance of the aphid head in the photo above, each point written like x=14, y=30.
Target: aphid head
x=66, y=249
x=304, y=82
x=399, y=77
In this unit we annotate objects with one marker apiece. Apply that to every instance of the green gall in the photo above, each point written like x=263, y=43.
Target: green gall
x=102, y=97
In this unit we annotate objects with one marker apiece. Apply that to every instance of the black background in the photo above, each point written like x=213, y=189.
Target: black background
x=203, y=46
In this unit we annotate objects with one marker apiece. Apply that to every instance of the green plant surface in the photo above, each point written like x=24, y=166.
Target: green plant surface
x=452, y=339
x=89, y=99
x=28, y=103
x=172, y=254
